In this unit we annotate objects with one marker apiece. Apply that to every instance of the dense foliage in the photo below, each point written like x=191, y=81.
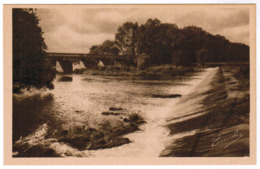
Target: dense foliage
x=107, y=47
x=165, y=43
x=30, y=67
x=126, y=39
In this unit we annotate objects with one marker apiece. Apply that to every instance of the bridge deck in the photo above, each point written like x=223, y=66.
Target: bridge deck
x=83, y=56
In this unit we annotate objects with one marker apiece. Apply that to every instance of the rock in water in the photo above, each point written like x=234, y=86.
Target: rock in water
x=126, y=120
x=110, y=113
x=65, y=79
x=115, y=108
x=166, y=95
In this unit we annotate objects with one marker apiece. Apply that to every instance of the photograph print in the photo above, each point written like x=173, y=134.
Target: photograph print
x=138, y=81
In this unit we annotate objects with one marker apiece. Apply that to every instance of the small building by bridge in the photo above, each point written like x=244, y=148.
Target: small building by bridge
x=68, y=60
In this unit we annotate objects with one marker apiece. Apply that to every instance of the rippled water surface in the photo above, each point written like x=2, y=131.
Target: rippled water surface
x=82, y=100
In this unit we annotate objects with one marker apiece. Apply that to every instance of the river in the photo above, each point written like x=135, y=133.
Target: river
x=82, y=100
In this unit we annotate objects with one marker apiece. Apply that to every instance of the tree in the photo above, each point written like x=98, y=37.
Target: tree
x=94, y=49
x=191, y=41
x=157, y=40
x=107, y=47
x=201, y=55
x=126, y=39
x=30, y=67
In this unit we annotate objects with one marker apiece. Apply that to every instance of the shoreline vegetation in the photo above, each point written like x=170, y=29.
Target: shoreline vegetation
x=161, y=71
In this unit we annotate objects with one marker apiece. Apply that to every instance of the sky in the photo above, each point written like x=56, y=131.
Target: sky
x=75, y=30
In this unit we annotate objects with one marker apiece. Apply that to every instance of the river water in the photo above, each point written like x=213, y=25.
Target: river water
x=82, y=100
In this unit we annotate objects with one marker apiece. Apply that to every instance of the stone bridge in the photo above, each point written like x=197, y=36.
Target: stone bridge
x=67, y=62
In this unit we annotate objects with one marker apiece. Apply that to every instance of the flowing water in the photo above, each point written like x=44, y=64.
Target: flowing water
x=82, y=100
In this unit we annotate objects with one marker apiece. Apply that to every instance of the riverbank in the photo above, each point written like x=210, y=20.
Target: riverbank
x=222, y=128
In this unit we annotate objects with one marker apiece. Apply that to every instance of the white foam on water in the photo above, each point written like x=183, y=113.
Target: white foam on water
x=190, y=103
x=38, y=138
x=65, y=150
x=171, y=139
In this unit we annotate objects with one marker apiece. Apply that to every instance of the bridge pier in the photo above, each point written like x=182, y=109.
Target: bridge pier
x=66, y=66
x=53, y=63
x=89, y=63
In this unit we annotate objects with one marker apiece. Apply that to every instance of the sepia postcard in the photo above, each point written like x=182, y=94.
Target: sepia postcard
x=130, y=84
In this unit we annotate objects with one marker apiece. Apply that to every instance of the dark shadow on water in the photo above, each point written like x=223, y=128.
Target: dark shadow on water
x=65, y=79
x=29, y=113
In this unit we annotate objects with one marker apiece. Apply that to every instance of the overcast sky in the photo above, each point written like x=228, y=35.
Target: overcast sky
x=77, y=29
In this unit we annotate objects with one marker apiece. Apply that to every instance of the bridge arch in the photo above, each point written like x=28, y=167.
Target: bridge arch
x=89, y=60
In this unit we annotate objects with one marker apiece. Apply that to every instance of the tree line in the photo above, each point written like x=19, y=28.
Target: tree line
x=165, y=43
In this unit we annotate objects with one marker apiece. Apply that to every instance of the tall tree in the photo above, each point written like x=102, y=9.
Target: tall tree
x=126, y=39
x=30, y=67
x=157, y=40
